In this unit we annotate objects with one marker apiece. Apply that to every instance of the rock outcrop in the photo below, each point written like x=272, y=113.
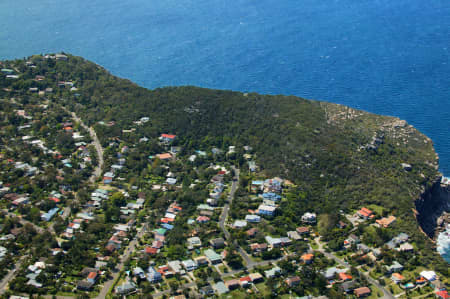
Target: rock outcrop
x=433, y=208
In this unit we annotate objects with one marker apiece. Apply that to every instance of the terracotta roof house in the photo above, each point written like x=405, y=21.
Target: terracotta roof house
x=442, y=294
x=303, y=230
x=365, y=213
x=202, y=219
x=292, y=281
x=256, y=277
x=252, y=232
x=151, y=250
x=245, y=281
x=255, y=247
x=386, y=222
x=232, y=284
x=362, y=292
x=165, y=156
x=397, y=277
x=307, y=258
x=345, y=276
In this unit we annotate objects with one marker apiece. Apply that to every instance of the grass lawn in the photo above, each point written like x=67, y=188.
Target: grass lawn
x=394, y=288
x=236, y=294
x=263, y=289
x=377, y=209
x=376, y=293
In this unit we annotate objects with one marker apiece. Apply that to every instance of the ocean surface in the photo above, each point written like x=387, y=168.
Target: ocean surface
x=383, y=56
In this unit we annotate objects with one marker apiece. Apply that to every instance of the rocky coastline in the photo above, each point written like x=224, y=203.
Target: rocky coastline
x=433, y=208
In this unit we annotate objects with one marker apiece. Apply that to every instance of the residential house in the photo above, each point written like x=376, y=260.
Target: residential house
x=221, y=288
x=294, y=235
x=245, y=281
x=273, y=242
x=201, y=261
x=252, y=232
x=92, y=277
x=331, y=272
x=362, y=292
x=126, y=288
x=406, y=247
x=302, y=230
x=292, y=281
x=266, y=210
x=442, y=294
x=344, y=276
x=365, y=213
x=309, y=218
x=274, y=272
x=239, y=224
x=176, y=267
x=232, y=284
x=165, y=156
x=348, y=286
x=256, y=277
x=395, y=267
x=428, y=275
x=253, y=218
x=189, y=265
x=307, y=258
x=194, y=242
x=397, y=277
x=386, y=222
x=153, y=276
x=207, y=290
x=212, y=256
x=167, y=138
x=49, y=215
x=202, y=219
x=255, y=247
x=217, y=243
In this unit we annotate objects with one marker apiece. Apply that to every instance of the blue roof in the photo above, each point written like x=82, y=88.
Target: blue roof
x=49, y=215
x=167, y=226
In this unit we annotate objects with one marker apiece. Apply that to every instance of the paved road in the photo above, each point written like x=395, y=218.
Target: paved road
x=23, y=221
x=4, y=282
x=224, y=216
x=226, y=209
x=131, y=247
x=97, y=145
x=387, y=294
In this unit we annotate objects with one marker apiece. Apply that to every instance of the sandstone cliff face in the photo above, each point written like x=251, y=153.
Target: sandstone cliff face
x=432, y=208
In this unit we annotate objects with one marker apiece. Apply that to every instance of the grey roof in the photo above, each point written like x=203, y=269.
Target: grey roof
x=221, y=288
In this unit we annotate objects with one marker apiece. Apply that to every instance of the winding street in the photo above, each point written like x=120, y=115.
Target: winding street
x=98, y=147
x=126, y=254
x=4, y=282
x=224, y=216
x=386, y=293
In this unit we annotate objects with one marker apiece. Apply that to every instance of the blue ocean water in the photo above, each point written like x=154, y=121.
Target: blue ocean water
x=383, y=56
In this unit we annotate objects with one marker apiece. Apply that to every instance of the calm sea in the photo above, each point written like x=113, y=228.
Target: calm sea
x=383, y=56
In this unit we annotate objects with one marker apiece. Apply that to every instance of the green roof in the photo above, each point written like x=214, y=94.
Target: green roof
x=161, y=231
x=212, y=255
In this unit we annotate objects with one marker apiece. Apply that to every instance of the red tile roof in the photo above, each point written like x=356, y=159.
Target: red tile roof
x=151, y=250
x=55, y=199
x=92, y=275
x=164, y=156
x=443, y=294
x=345, y=276
x=365, y=212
